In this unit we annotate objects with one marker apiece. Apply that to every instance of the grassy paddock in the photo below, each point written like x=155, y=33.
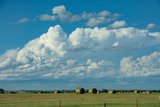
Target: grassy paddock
x=79, y=100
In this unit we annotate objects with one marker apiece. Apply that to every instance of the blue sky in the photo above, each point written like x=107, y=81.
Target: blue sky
x=118, y=44
x=135, y=13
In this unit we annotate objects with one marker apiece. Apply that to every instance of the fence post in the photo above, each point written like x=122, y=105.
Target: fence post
x=60, y=103
x=104, y=104
x=136, y=102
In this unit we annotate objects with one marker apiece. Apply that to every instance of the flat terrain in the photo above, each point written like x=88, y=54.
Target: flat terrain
x=80, y=100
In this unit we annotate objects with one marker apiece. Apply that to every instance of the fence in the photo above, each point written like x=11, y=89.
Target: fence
x=107, y=103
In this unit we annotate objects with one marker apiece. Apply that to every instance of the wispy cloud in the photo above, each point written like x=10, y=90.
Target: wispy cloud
x=46, y=17
x=23, y=20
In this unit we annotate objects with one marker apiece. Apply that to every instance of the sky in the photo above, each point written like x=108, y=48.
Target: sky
x=63, y=44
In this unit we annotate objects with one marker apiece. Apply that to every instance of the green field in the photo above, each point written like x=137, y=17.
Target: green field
x=79, y=100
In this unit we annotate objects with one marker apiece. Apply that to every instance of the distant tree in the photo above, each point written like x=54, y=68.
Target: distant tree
x=105, y=91
x=12, y=92
x=1, y=91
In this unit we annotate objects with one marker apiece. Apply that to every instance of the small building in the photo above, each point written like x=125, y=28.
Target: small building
x=79, y=90
x=92, y=90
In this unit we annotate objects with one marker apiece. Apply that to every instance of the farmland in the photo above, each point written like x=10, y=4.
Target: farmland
x=80, y=100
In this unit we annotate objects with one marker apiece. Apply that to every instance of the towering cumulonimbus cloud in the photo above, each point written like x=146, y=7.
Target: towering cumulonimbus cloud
x=49, y=46
x=83, y=53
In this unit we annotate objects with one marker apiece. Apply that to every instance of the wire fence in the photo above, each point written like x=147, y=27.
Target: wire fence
x=106, y=103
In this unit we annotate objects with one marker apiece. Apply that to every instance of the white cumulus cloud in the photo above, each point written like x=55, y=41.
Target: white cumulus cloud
x=61, y=13
x=83, y=53
x=118, y=24
x=156, y=34
x=96, y=21
x=147, y=65
x=151, y=26
x=90, y=18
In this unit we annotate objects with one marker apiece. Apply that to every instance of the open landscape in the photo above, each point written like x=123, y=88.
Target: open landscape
x=80, y=100
x=79, y=53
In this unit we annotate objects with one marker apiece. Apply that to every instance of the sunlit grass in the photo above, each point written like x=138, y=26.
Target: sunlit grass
x=79, y=100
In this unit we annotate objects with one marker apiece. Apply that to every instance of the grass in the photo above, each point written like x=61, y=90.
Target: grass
x=79, y=100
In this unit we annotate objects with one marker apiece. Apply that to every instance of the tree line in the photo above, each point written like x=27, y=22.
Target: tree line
x=77, y=90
